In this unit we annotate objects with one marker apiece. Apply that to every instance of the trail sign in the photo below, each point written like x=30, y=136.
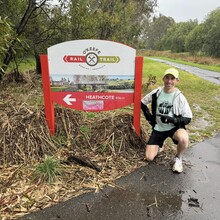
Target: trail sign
x=91, y=75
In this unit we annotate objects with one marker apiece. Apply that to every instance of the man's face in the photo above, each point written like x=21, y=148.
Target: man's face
x=170, y=81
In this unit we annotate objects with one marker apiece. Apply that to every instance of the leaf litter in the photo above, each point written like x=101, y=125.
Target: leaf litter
x=83, y=142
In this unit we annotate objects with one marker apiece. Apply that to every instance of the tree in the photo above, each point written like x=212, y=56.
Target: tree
x=32, y=6
x=195, y=39
x=175, y=37
x=156, y=30
x=212, y=34
x=47, y=26
x=38, y=25
x=5, y=36
x=117, y=20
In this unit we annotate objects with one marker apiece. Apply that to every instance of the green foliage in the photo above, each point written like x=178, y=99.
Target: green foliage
x=195, y=39
x=90, y=114
x=47, y=170
x=109, y=20
x=85, y=130
x=13, y=10
x=212, y=34
x=6, y=36
x=202, y=39
x=156, y=30
x=9, y=22
x=17, y=23
x=176, y=35
x=127, y=22
x=35, y=27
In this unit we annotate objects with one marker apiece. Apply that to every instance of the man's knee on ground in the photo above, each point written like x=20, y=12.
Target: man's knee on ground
x=150, y=157
x=151, y=152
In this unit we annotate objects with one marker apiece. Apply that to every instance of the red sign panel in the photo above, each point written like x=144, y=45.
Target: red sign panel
x=92, y=101
x=98, y=76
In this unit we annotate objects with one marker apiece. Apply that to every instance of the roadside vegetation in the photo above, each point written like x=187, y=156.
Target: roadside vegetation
x=203, y=62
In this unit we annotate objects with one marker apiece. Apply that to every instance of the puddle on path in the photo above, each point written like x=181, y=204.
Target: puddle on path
x=131, y=203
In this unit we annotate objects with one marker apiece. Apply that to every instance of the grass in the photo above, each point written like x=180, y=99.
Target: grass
x=85, y=130
x=47, y=170
x=24, y=65
x=90, y=114
x=202, y=66
x=57, y=89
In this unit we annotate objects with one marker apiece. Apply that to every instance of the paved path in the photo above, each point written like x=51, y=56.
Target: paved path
x=153, y=192
x=208, y=75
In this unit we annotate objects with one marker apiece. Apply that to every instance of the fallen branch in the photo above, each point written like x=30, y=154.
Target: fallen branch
x=83, y=161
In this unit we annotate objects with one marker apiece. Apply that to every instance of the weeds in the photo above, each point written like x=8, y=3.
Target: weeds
x=90, y=115
x=47, y=170
x=85, y=130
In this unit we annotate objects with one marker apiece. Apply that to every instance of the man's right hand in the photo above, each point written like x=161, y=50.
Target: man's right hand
x=152, y=121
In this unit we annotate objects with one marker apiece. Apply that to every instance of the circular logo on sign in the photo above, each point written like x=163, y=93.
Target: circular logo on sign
x=91, y=59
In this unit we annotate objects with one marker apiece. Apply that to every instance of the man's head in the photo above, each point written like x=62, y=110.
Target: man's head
x=170, y=79
x=172, y=71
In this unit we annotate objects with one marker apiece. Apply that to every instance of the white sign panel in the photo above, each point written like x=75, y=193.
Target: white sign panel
x=91, y=57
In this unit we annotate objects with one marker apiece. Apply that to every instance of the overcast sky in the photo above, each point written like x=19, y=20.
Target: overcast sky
x=184, y=10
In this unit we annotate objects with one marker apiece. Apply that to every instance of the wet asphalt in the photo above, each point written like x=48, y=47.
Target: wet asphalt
x=208, y=75
x=153, y=192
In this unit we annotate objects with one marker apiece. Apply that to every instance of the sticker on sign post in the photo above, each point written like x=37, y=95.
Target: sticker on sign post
x=91, y=75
